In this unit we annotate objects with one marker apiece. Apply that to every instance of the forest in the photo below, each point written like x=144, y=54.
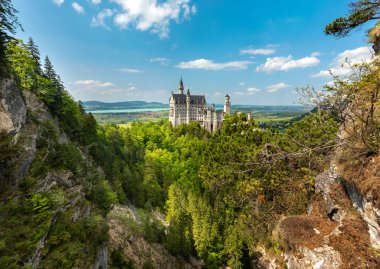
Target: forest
x=221, y=194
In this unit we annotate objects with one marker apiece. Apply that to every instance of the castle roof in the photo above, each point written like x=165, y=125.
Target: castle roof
x=194, y=99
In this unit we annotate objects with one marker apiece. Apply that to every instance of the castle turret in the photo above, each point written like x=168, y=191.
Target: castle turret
x=227, y=105
x=180, y=87
x=188, y=102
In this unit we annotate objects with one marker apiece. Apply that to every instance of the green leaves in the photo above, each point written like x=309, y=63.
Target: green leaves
x=361, y=12
x=103, y=196
x=40, y=203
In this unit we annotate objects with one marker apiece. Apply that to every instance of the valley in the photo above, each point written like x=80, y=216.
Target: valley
x=242, y=180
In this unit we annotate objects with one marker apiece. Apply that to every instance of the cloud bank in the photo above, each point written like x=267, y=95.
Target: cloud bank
x=152, y=15
x=78, y=8
x=277, y=87
x=287, y=63
x=211, y=65
x=341, y=63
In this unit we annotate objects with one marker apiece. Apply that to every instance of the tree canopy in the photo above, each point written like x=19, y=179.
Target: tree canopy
x=360, y=12
x=8, y=26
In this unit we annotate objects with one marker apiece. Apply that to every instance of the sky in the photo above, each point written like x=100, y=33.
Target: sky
x=257, y=51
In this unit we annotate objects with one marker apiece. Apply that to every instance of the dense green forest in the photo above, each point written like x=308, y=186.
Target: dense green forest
x=222, y=193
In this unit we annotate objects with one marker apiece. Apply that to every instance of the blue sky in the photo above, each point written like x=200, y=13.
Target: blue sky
x=258, y=51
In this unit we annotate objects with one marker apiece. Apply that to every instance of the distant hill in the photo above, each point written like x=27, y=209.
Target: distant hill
x=97, y=105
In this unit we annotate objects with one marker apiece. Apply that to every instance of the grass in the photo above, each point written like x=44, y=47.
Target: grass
x=271, y=118
x=125, y=125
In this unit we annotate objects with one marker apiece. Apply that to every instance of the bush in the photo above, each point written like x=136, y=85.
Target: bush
x=103, y=196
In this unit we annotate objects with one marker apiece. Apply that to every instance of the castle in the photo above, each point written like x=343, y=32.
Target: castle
x=186, y=108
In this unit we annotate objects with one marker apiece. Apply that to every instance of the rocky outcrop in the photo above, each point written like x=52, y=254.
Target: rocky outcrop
x=12, y=107
x=14, y=123
x=102, y=258
x=333, y=234
x=369, y=212
x=122, y=222
x=318, y=258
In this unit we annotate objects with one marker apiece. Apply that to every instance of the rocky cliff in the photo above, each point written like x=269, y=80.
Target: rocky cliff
x=44, y=209
x=51, y=211
x=341, y=229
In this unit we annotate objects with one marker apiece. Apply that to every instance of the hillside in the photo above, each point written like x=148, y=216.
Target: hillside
x=96, y=105
x=79, y=194
x=57, y=199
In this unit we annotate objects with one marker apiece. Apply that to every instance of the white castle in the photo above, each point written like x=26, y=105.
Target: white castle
x=189, y=108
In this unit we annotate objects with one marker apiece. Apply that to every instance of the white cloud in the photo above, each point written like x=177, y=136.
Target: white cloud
x=277, y=87
x=58, y=2
x=78, y=8
x=257, y=51
x=130, y=71
x=340, y=66
x=93, y=83
x=316, y=54
x=287, y=63
x=253, y=90
x=161, y=60
x=249, y=91
x=152, y=15
x=99, y=19
x=211, y=65
x=99, y=90
x=242, y=84
x=96, y=2
x=218, y=93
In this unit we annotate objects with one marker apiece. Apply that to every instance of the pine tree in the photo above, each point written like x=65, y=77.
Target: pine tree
x=8, y=25
x=49, y=70
x=58, y=96
x=35, y=53
x=58, y=88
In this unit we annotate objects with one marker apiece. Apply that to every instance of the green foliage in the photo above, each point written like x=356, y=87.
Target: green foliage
x=8, y=25
x=222, y=193
x=118, y=261
x=103, y=196
x=361, y=12
x=8, y=152
x=147, y=265
x=22, y=63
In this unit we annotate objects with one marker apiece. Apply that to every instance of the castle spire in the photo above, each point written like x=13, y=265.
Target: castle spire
x=180, y=87
x=188, y=91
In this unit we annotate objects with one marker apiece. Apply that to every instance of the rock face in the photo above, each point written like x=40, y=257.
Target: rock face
x=333, y=234
x=369, y=212
x=102, y=259
x=318, y=258
x=12, y=107
x=134, y=247
x=13, y=122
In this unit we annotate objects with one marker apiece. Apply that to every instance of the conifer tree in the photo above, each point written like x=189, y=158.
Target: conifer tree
x=35, y=53
x=8, y=26
x=361, y=12
x=49, y=70
x=58, y=89
x=58, y=95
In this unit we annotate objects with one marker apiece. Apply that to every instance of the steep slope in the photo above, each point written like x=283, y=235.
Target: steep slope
x=333, y=234
x=55, y=205
x=46, y=217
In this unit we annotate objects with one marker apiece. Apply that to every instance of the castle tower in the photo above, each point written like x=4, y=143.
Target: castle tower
x=188, y=103
x=249, y=116
x=227, y=105
x=180, y=87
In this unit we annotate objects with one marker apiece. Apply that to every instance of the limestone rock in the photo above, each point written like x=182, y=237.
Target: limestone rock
x=324, y=257
x=12, y=107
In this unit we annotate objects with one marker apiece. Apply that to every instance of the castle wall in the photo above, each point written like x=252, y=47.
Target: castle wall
x=189, y=108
